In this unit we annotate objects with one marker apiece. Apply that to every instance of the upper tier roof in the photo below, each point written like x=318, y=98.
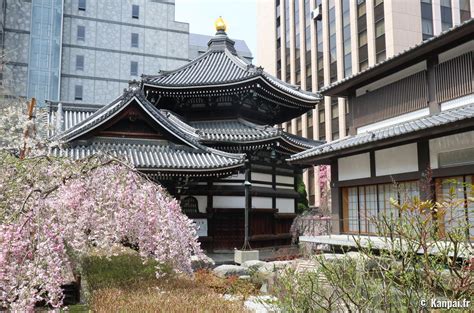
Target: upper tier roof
x=220, y=69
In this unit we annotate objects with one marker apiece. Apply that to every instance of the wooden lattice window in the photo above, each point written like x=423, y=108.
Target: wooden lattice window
x=189, y=205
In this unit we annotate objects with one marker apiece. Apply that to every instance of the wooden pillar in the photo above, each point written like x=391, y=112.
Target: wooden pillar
x=431, y=79
x=373, y=173
x=424, y=168
x=336, y=198
x=210, y=214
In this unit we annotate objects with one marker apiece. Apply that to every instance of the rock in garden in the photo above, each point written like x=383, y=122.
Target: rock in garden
x=230, y=270
x=274, y=266
x=204, y=262
x=253, y=264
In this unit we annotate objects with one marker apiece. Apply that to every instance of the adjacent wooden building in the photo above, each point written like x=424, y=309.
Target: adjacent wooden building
x=411, y=118
x=196, y=130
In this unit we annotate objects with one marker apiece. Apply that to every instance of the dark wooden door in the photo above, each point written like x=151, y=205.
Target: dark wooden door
x=228, y=229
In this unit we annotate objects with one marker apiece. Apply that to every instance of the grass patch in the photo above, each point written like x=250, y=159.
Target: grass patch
x=124, y=284
x=116, y=272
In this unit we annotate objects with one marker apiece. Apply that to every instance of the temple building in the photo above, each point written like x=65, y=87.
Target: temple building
x=205, y=132
x=411, y=134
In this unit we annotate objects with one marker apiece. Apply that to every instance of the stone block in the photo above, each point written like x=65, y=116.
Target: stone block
x=242, y=256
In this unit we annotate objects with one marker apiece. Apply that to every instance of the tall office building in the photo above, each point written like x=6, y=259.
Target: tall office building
x=313, y=43
x=87, y=50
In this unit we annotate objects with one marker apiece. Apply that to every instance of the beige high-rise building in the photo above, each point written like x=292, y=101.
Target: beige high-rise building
x=313, y=43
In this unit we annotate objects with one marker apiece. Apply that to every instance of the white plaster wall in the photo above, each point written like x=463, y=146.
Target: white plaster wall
x=202, y=203
x=285, y=205
x=228, y=202
x=354, y=167
x=262, y=177
x=285, y=179
x=394, y=120
x=449, y=143
x=261, y=202
x=458, y=102
x=400, y=159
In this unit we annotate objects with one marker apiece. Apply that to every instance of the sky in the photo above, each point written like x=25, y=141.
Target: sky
x=240, y=17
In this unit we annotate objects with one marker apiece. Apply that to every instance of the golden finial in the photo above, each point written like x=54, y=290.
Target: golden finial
x=220, y=24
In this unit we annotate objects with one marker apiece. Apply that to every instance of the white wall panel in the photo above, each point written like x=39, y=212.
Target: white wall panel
x=400, y=159
x=354, y=167
x=449, y=143
x=228, y=202
x=285, y=205
x=262, y=177
x=261, y=202
x=285, y=179
x=202, y=203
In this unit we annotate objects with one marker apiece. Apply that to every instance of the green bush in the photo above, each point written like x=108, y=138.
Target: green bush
x=303, y=204
x=116, y=271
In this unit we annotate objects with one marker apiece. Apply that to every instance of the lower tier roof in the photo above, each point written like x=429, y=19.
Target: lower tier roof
x=154, y=155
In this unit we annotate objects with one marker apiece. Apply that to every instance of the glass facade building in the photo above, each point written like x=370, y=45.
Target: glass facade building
x=44, y=70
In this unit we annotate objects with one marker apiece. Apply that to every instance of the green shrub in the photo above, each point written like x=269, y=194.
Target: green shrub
x=116, y=271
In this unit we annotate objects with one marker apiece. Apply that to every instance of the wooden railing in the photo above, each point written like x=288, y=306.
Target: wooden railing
x=454, y=78
x=403, y=96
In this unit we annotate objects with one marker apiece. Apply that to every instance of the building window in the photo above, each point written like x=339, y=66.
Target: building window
x=362, y=38
x=79, y=62
x=334, y=108
x=446, y=15
x=465, y=8
x=346, y=33
x=362, y=34
x=364, y=203
x=81, y=33
x=134, y=68
x=457, y=188
x=81, y=6
x=78, y=92
x=319, y=48
x=332, y=42
x=361, y=8
x=134, y=40
x=379, y=28
x=189, y=205
x=135, y=11
x=379, y=15
x=426, y=19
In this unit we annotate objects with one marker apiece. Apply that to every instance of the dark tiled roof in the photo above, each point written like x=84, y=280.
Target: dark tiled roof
x=213, y=67
x=238, y=131
x=439, y=119
x=153, y=155
x=106, y=112
x=220, y=66
x=423, y=44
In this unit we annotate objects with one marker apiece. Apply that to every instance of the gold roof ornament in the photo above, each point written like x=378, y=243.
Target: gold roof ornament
x=220, y=24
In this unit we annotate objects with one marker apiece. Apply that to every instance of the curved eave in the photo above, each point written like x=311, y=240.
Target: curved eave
x=192, y=170
x=233, y=86
x=277, y=141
